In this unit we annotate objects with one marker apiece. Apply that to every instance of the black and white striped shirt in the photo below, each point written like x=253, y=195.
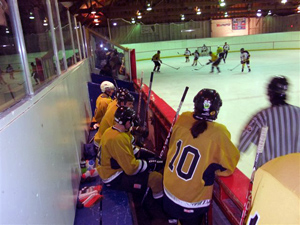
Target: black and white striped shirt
x=283, y=134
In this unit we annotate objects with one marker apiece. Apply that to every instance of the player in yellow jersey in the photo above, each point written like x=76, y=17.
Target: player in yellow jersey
x=215, y=60
x=199, y=148
x=157, y=61
x=116, y=164
x=103, y=100
x=123, y=98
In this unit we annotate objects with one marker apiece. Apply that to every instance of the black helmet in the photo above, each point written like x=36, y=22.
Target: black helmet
x=124, y=114
x=277, y=89
x=207, y=104
x=123, y=95
x=242, y=49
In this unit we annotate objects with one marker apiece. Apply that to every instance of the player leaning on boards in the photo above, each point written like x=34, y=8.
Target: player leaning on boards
x=283, y=121
x=245, y=59
x=199, y=148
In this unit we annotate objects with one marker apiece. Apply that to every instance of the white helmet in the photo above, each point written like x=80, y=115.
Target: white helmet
x=105, y=85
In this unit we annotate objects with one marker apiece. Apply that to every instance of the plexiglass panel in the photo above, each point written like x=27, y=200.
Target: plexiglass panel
x=12, y=85
x=37, y=35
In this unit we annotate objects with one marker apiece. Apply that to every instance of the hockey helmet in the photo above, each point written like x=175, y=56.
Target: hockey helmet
x=277, y=87
x=124, y=114
x=123, y=95
x=207, y=104
x=106, y=85
x=242, y=50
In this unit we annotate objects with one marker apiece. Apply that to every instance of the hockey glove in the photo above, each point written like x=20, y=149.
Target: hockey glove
x=145, y=154
x=154, y=164
x=140, y=131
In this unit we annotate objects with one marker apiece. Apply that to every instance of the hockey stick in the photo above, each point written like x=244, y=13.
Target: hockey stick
x=176, y=68
x=169, y=134
x=260, y=147
x=201, y=67
x=171, y=128
x=148, y=99
x=140, y=96
x=234, y=67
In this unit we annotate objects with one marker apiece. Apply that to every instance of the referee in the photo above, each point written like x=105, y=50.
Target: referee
x=282, y=120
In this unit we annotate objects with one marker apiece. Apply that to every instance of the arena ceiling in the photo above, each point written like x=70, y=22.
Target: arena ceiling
x=172, y=11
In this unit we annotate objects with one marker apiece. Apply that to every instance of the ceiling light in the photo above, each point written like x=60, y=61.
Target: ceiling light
x=115, y=24
x=97, y=24
x=182, y=17
x=31, y=16
x=269, y=13
x=149, y=8
x=198, y=13
x=96, y=20
x=226, y=14
x=93, y=11
x=258, y=14
x=45, y=22
x=139, y=14
x=7, y=31
x=283, y=1
x=222, y=3
x=132, y=20
x=198, y=10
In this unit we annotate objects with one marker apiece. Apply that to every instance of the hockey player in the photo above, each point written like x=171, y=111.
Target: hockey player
x=226, y=48
x=282, y=120
x=187, y=54
x=103, y=100
x=157, y=62
x=215, y=60
x=204, y=49
x=123, y=98
x=199, y=148
x=219, y=50
x=245, y=59
x=119, y=168
x=196, y=57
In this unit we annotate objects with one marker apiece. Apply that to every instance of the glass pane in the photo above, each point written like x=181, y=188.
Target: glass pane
x=57, y=36
x=110, y=59
x=75, y=29
x=66, y=35
x=12, y=85
x=37, y=35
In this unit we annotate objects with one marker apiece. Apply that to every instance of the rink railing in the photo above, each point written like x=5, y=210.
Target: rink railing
x=255, y=46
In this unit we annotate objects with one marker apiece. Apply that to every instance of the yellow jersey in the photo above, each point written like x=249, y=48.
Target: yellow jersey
x=107, y=121
x=102, y=103
x=192, y=162
x=116, y=156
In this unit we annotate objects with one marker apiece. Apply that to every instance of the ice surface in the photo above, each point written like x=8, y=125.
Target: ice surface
x=243, y=94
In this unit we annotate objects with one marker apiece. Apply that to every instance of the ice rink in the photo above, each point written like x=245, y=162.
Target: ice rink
x=243, y=94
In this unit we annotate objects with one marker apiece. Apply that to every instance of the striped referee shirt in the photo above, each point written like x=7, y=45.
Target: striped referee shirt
x=283, y=135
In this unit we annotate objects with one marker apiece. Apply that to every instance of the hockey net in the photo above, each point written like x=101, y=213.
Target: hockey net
x=204, y=50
